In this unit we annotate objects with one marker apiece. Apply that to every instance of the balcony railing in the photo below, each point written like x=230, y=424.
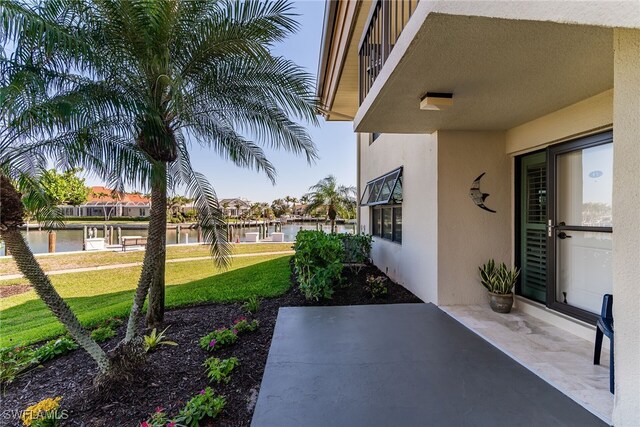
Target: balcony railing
x=388, y=19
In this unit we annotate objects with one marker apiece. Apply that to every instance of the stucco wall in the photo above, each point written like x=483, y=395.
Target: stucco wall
x=414, y=262
x=467, y=235
x=626, y=211
x=588, y=116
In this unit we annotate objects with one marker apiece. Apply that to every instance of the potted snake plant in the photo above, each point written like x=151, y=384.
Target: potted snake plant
x=499, y=280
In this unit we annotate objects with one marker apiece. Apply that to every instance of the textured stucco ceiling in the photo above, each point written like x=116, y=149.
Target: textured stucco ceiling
x=502, y=73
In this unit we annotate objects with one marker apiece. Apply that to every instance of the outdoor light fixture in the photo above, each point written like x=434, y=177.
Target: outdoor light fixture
x=436, y=101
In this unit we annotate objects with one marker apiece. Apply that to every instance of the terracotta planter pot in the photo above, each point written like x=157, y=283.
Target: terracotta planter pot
x=500, y=303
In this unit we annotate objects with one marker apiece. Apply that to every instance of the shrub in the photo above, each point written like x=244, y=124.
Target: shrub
x=153, y=340
x=377, y=286
x=43, y=414
x=251, y=305
x=54, y=348
x=102, y=333
x=219, y=338
x=243, y=325
x=357, y=247
x=218, y=370
x=14, y=361
x=204, y=404
x=318, y=263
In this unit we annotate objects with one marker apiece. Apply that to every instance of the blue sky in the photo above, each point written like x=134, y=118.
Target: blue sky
x=335, y=140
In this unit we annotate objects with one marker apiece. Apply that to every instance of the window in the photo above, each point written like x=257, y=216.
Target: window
x=383, y=190
x=384, y=196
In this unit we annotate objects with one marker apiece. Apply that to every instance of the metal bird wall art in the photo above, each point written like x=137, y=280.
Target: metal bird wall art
x=478, y=196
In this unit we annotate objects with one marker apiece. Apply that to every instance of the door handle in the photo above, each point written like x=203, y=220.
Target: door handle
x=562, y=235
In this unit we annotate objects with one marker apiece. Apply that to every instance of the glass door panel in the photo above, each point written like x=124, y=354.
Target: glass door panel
x=584, y=269
x=579, y=231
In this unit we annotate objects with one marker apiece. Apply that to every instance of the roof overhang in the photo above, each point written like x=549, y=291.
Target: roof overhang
x=501, y=72
x=505, y=62
x=337, y=83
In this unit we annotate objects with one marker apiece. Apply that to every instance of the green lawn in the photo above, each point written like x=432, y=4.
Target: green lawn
x=94, y=259
x=98, y=295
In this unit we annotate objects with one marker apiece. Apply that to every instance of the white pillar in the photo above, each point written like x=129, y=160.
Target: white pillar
x=626, y=227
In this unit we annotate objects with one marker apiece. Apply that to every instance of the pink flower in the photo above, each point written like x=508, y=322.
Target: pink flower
x=240, y=319
x=212, y=343
x=171, y=424
x=235, y=332
x=145, y=424
x=202, y=391
x=159, y=409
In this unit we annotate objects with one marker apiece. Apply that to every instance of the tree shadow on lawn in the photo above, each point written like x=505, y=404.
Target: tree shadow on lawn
x=31, y=321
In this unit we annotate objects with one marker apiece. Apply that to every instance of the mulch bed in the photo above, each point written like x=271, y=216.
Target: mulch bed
x=9, y=291
x=175, y=374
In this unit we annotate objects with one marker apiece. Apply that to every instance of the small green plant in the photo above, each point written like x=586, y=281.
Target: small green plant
x=377, y=286
x=219, y=371
x=155, y=339
x=204, y=404
x=54, y=348
x=102, y=333
x=112, y=323
x=498, y=278
x=242, y=325
x=252, y=304
x=158, y=419
x=219, y=338
x=14, y=361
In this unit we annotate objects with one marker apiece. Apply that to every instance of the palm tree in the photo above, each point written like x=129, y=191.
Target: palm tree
x=151, y=73
x=176, y=203
x=161, y=71
x=335, y=199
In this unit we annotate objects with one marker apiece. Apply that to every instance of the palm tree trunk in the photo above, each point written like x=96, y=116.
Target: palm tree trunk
x=154, y=257
x=28, y=265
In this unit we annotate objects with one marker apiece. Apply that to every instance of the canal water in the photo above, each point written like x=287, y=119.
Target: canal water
x=71, y=240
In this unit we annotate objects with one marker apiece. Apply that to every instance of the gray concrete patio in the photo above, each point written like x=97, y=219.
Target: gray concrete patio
x=398, y=365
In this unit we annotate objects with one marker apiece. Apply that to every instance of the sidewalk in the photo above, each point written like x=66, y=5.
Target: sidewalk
x=137, y=264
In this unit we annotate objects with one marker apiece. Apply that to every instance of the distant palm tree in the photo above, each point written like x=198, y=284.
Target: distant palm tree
x=335, y=199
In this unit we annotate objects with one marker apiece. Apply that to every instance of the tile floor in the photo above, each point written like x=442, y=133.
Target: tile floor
x=557, y=356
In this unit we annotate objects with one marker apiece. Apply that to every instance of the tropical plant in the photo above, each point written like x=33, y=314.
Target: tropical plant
x=54, y=348
x=219, y=371
x=155, y=339
x=333, y=198
x=252, y=304
x=15, y=361
x=103, y=333
x=317, y=263
x=279, y=207
x=498, y=278
x=203, y=404
x=132, y=78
